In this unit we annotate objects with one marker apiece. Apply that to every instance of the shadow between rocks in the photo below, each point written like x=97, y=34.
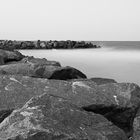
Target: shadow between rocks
x=114, y=114
x=4, y=114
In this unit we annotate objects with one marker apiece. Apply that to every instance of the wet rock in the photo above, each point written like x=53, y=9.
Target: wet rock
x=42, y=70
x=1, y=60
x=17, y=69
x=9, y=56
x=55, y=72
x=101, y=81
x=66, y=73
x=118, y=102
x=51, y=117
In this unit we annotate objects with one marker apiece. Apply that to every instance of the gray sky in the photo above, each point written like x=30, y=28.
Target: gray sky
x=70, y=19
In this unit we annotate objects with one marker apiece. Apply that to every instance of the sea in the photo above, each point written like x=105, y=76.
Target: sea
x=119, y=60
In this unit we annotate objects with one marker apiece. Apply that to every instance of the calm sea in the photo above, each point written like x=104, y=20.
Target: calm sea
x=116, y=60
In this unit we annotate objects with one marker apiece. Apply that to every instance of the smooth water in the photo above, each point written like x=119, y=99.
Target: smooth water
x=123, y=65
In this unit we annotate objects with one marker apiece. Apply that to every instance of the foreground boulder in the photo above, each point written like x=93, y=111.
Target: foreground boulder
x=8, y=56
x=41, y=71
x=51, y=117
x=118, y=102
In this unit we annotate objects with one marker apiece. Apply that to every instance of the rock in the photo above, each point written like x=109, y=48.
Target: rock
x=42, y=71
x=41, y=61
x=27, y=45
x=101, y=81
x=9, y=56
x=43, y=44
x=50, y=117
x=68, y=44
x=60, y=73
x=118, y=102
x=17, y=69
x=36, y=61
x=66, y=73
x=15, y=91
x=136, y=126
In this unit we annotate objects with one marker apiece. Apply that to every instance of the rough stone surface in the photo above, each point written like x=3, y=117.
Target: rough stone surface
x=41, y=71
x=118, y=102
x=40, y=61
x=136, y=126
x=36, y=61
x=9, y=56
x=48, y=117
x=1, y=60
x=101, y=81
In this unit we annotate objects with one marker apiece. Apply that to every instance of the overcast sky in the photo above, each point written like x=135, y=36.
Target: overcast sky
x=70, y=19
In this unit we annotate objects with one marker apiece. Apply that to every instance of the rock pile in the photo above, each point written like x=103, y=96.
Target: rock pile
x=40, y=99
x=10, y=45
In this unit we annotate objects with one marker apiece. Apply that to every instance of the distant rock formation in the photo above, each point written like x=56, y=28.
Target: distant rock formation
x=11, y=45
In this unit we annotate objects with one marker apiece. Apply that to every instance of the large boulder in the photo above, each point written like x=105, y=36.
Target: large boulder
x=50, y=117
x=42, y=71
x=9, y=56
x=101, y=81
x=66, y=73
x=118, y=102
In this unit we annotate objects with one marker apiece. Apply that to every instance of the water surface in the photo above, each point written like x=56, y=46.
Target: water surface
x=121, y=63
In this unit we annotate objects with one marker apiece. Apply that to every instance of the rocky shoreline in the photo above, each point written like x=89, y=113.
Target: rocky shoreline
x=42, y=100
x=11, y=45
